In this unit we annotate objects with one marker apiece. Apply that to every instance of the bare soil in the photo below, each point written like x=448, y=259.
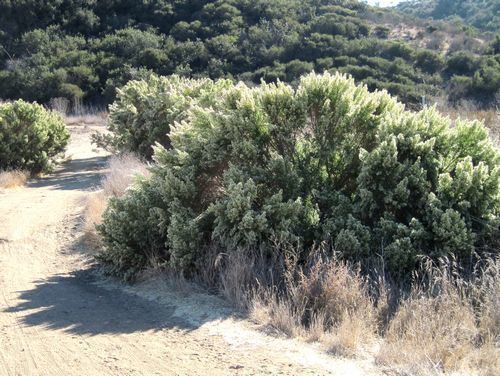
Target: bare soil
x=60, y=316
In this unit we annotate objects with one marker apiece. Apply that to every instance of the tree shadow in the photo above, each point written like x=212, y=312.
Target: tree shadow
x=76, y=304
x=78, y=174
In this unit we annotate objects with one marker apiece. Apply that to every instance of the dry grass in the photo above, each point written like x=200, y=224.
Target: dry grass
x=13, y=179
x=470, y=111
x=75, y=113
x=96, y=204
x=334, y=305
x=122, y=170
x=326, y=301
x=276, y=313
x=490, y=117
x=447, y=323
x=97, y=118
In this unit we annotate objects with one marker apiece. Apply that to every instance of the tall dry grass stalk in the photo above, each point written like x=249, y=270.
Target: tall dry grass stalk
x=122, y=170
x=76, y=113
x=233, y=275
x=448, y=322
x=13, y=179
x=60, y=104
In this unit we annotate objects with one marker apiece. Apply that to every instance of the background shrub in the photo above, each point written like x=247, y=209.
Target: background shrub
x=30, y=136
x=84, y=50
x=272, y=167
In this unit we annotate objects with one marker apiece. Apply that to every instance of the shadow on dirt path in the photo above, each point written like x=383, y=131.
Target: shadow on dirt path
x=79, y=174
x=74, y=303
x=73, y=300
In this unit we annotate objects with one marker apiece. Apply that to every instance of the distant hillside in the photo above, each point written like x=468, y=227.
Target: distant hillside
x=483, y=14
x=83, y=50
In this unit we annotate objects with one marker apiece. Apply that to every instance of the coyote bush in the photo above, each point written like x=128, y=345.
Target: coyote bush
x=131, y=230
x=326, y=162
x=145, y=109
x=30, y=136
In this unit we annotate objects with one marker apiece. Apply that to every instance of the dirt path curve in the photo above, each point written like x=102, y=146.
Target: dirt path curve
x=58, y=316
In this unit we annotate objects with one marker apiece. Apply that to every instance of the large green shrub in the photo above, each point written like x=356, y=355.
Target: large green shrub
x=145, y=109
x=275, y=167
x=30, y=136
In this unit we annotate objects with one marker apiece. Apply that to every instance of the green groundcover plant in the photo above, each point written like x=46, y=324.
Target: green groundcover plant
x=30, y=136
x=275, y=168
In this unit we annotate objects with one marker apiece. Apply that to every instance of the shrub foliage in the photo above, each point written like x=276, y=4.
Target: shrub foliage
x=30, y=136
x=273, y=167
x=145, y=109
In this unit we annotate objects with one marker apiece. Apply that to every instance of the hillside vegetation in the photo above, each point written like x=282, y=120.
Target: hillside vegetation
x=83, y=50
x=279, y=153
x=482, y=14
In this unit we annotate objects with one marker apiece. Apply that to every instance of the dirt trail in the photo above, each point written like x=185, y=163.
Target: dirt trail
x=58, y=316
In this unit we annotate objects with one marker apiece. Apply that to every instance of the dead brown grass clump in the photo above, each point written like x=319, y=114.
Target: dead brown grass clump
x=327, y=301
x=447, y=323
x=122, y=170
x=95, y=206
x=13, y=179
